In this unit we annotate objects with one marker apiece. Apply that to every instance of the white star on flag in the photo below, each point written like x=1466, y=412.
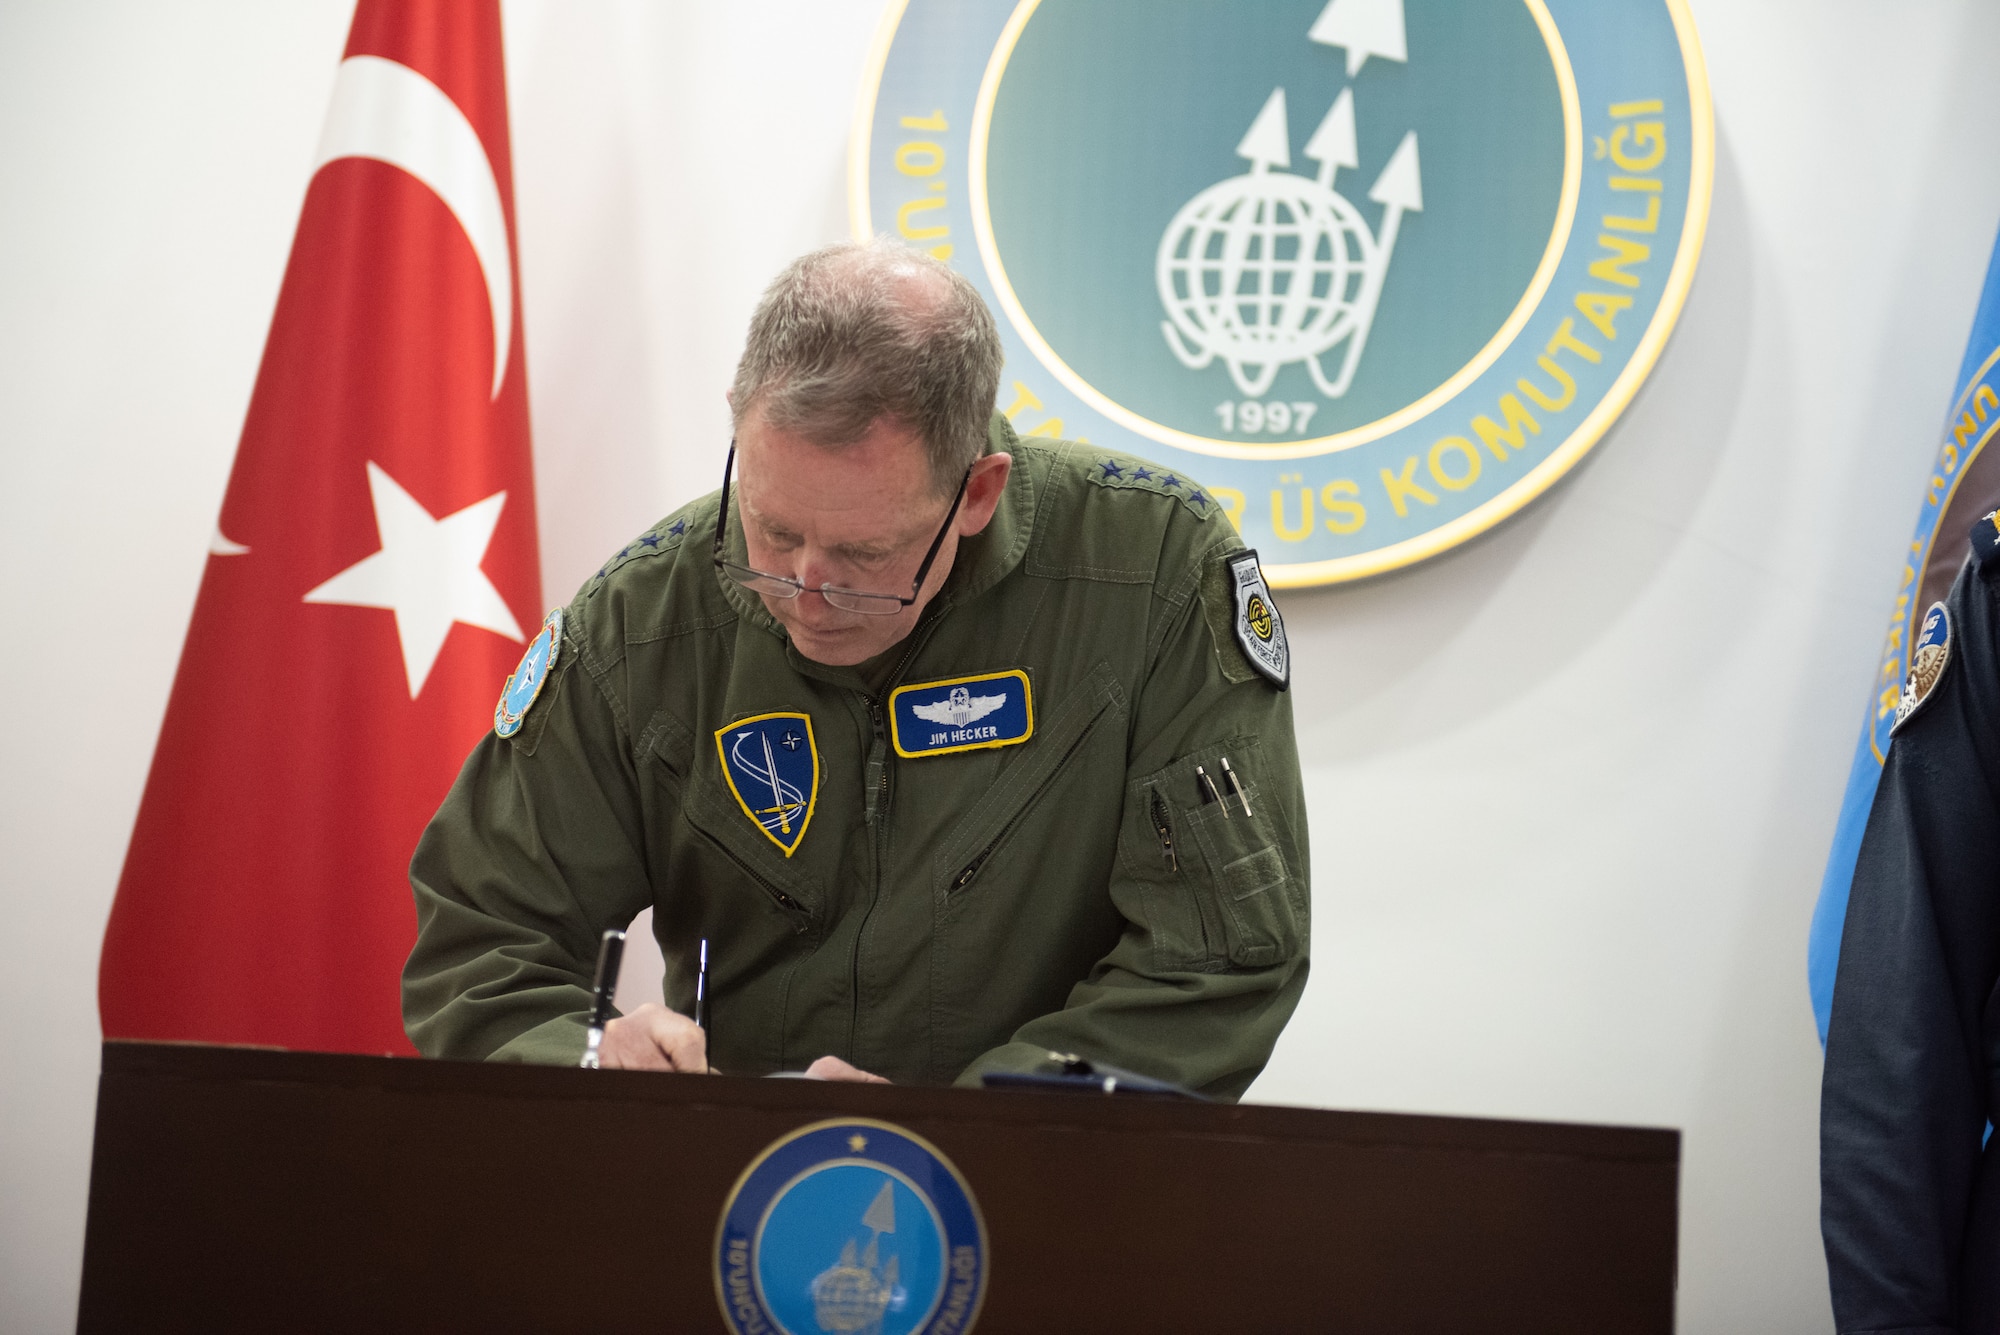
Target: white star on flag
x=427, y=573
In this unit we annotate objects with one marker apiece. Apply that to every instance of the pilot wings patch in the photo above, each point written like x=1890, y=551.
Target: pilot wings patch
x=959, y=708
x=936, y=718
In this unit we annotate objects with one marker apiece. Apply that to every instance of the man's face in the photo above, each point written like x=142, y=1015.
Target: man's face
x=860, y=517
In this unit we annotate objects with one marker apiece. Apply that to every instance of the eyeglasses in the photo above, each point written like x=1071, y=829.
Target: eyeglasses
x=847, y=600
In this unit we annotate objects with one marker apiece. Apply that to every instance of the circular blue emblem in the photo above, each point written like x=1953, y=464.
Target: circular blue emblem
x=526, y=682
x=1376, y=272
x=851, y=1226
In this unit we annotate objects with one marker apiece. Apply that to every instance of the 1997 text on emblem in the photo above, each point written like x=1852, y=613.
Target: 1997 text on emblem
x=1253, y=415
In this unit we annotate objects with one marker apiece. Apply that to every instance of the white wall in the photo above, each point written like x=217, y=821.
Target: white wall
x=1571, y=787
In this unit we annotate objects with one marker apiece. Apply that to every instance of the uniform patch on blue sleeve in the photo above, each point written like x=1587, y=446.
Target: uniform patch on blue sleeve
x=1929, y=657
x=937, y=718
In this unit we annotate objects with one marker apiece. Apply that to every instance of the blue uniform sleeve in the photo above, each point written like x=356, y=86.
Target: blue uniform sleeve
x=1910, y=1055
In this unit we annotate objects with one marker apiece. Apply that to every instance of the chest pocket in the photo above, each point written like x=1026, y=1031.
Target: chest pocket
x=1222, y=890
x=1006, y=806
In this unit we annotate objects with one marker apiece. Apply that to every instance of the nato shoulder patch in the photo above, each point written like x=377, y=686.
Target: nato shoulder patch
x=1259, y=628
x=527, y=680
x=1929, y=658
x=1122, y=472
x=1986, y=542
x=937, y=718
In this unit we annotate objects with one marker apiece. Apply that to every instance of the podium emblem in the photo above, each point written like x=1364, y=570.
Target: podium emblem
x=854, y=1227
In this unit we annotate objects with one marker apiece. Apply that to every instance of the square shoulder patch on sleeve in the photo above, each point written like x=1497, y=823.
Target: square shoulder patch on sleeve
x=1260, y=631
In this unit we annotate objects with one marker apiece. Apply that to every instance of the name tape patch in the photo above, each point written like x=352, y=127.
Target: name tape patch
x=937, y=718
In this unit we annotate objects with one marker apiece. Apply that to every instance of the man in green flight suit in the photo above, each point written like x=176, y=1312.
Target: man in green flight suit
x=958, y=750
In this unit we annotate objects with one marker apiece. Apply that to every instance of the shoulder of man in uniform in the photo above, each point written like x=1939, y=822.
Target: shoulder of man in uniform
x=1146, y=483
x=636, y=578
x=632, y=591
x=1077, y=461
x=1116, y=516
x=1986, y=545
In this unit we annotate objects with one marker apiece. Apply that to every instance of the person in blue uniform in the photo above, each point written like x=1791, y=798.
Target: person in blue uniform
x=1909, y=1185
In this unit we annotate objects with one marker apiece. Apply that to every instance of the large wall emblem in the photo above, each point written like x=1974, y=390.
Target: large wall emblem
x=1378, y=272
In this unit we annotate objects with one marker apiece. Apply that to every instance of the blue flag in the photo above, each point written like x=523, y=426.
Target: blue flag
x=1964, y=484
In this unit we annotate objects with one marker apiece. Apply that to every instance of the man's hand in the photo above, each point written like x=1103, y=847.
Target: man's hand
x=653, y=1038
x=833, y=1068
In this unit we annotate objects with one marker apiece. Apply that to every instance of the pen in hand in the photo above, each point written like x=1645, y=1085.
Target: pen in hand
x=610, y=951
x=701, y=989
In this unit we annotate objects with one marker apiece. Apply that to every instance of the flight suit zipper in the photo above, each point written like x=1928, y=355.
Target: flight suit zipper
x=1163, y=826
x=876, y=811
x=800, y=913
x=876, y=773
x=1161, y=815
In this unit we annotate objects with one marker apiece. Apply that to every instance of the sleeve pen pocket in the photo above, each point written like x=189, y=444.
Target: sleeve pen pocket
x=1217, y=852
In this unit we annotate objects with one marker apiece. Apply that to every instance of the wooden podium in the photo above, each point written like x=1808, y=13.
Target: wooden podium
x=252, y=1190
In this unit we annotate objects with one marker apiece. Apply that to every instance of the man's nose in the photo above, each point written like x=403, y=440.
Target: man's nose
x=813, y=570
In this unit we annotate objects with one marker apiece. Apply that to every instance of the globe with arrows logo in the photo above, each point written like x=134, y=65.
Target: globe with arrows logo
x=1270, y=268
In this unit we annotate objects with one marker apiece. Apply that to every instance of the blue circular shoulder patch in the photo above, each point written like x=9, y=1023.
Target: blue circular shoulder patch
x=850, y=1225
x=526, y=682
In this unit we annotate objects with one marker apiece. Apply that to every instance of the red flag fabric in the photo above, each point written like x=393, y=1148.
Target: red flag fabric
x=371, y=581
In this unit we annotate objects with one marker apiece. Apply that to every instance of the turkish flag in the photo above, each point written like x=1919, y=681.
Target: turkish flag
x=372, y=579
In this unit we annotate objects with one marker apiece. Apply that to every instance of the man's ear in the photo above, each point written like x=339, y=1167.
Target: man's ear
x=982, y=493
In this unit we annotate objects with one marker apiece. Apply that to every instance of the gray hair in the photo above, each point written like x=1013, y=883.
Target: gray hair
x=857, y=332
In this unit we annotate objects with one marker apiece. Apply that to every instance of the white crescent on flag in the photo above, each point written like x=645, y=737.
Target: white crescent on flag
x=391, y=113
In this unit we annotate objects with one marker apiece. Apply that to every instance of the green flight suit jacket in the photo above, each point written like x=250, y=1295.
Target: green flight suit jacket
x=943, y=915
